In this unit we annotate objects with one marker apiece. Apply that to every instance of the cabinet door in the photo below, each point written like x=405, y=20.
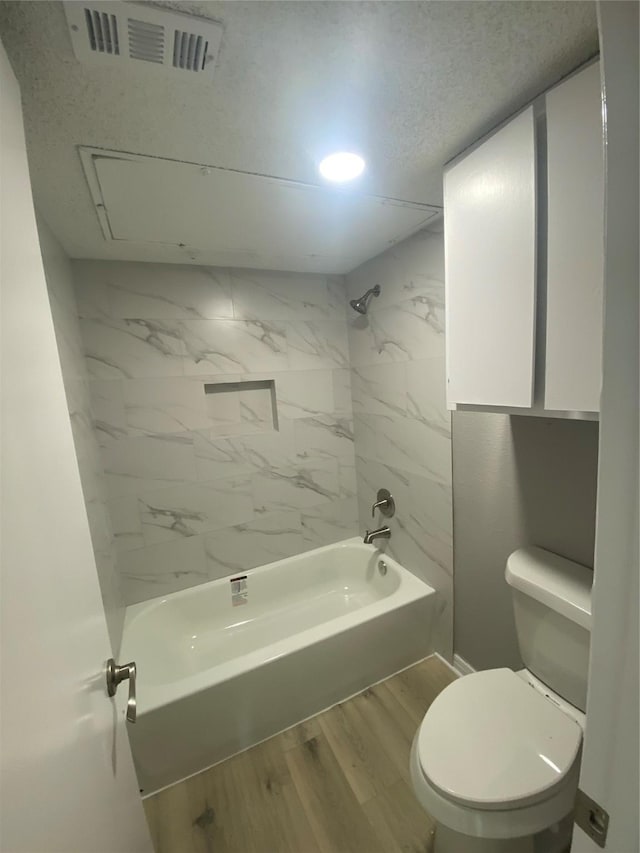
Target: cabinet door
x=575, y=245
x=490, y=269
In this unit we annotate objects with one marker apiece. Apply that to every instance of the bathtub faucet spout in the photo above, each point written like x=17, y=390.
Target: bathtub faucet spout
x=380, y=533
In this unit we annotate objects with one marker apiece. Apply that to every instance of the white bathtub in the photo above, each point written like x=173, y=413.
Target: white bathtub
x=217, y=674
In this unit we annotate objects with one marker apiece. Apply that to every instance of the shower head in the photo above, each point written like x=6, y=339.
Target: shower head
x=361, y=305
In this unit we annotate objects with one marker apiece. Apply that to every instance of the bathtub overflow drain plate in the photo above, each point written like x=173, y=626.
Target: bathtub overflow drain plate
x=382, y=567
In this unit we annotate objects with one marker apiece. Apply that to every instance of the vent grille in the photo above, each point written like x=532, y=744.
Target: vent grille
x=189, y=51
x=107, y=32
x=146, y=41
x=102, y=30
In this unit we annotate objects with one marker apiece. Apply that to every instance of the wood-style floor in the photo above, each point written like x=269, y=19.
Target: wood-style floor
x=338, y=783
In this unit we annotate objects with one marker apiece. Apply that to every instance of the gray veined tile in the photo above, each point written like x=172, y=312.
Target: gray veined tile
x=329, y=436
x=342, y=391
x=411, y=445
x=220, y=347
x=280, y=298
x=333, y=522
x=129, y=349
x=416, y=532
x=436, y=547
x=408, y=548
x=161, y=569
x=107, y=408
x=347, y=478
x=402, y=427
x=168, y=291
x=310, y=482
x=421, y=527
x=256, y=410
x=218, y=457
x=270, y=537
x=317, y=345
x=373, y=475
x=432, y=517
x=337, y=294
x=408, y=269
x=125, y=523
x=380, y=389
x=195, y=508
x=366, y=429
x=301, y=393
x=122, y=289
x=426, y=398
x=427, y=306
x=164, y=405
x=409, y=330
x=134, y=466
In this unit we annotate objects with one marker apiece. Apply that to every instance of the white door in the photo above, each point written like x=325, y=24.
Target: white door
x=67, y=778
x=609, y=773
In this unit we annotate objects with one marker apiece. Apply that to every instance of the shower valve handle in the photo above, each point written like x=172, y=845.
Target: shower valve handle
x=385, y=503
x=116, y=674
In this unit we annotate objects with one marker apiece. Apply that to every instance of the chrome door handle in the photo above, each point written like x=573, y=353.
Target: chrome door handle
x=116, y=674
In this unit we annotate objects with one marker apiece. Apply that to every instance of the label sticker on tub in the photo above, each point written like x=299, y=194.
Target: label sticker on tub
x=239, y=591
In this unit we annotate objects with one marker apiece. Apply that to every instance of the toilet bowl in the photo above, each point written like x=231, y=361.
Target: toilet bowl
x=496, y=760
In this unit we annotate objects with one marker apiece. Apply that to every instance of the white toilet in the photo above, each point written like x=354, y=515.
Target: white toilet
x=496, y=759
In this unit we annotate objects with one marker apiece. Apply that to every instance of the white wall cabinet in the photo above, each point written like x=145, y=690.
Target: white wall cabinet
x=524, y=259
x=575, y=243
x=490, y=265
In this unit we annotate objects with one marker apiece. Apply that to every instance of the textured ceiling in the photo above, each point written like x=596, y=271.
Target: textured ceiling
x=408, y=84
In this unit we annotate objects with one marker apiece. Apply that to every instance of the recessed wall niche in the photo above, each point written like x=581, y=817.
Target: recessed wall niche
x=242, y=408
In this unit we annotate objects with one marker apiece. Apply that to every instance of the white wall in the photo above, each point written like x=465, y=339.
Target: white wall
x=59, y=278
x=188, y=502
x=516, y=481
x=401, y=424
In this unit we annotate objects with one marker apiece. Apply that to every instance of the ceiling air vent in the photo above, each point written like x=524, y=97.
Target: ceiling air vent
x=189, y=51
x=102, y=30
x=146, y=41
x=113, y=32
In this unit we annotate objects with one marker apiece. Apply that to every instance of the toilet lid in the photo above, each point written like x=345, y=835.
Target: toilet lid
x=490, y=740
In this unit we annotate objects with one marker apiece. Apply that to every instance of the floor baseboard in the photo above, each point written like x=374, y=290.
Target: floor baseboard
x=461, y=666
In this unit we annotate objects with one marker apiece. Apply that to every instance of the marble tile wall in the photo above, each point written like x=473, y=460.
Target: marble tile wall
x=401, y=425
x=76, y=383
x=189, y=503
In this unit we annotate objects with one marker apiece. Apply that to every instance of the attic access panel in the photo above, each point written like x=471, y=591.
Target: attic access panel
x=232, y=218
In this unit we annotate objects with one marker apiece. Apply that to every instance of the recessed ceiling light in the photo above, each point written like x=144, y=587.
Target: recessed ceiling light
x=342, y=166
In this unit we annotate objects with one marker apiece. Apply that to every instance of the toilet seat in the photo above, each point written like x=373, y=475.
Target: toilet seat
x=491, y=741
x=495, y=758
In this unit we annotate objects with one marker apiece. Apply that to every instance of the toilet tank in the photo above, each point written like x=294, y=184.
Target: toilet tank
x=552, y=608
